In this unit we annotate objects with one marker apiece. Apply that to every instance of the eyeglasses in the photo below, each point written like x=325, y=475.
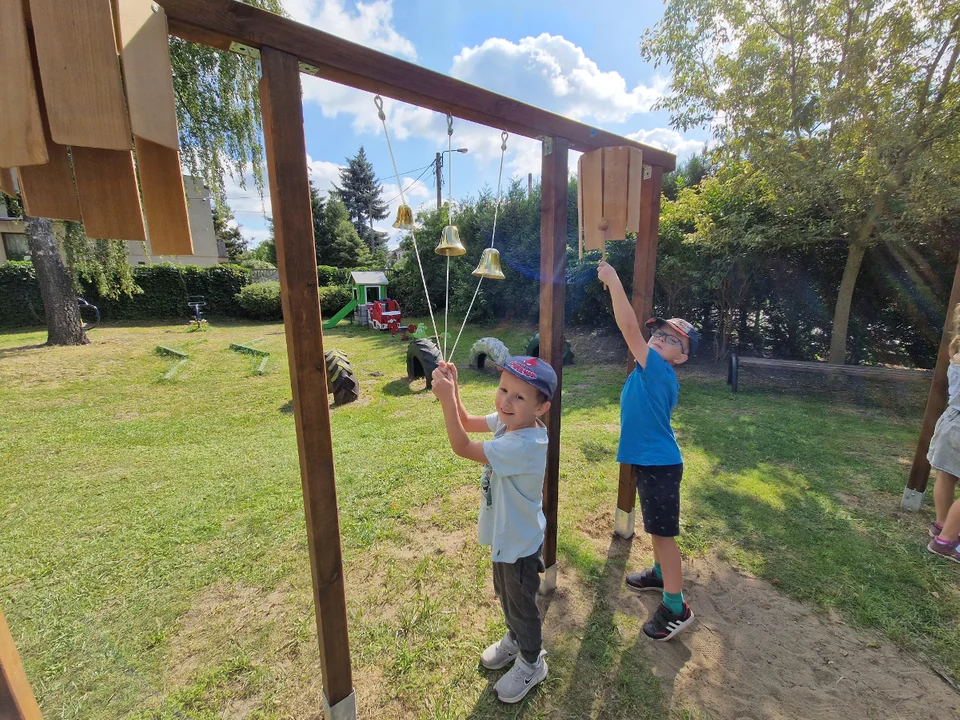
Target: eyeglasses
x=667, y=338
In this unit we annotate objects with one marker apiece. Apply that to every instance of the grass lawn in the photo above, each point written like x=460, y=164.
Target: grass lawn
x=153, y=559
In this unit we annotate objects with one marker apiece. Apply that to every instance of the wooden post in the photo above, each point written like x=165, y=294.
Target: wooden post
x=936, y=402
x=644, y=272
x=16, y=698
x=296, y=260
x=553, y=271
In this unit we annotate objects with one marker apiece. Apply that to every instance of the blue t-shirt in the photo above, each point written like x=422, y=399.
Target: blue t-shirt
x=647, y=400
x=511, y=518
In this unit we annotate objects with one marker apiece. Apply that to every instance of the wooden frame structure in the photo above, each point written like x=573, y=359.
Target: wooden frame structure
x=285, y=49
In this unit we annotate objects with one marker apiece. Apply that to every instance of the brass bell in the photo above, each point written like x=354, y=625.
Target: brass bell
x=489, y=266
x=450, y=244
x=404, y=218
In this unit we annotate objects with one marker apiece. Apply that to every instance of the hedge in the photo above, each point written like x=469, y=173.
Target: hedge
x=20, y=302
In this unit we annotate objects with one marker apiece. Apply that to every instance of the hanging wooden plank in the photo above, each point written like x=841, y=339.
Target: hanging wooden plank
x=286, y=151
x=47, y=191
x=634, y=180
x=109, y=198
x=21, y=129
x=77, y=50
x=147, y=73
x=591, y=177
x=616, y=165
x=164, y=200
x=16, y=698
x=7, y=184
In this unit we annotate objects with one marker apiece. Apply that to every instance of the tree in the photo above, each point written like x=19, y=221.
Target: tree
x=337, y=241
x=850, y=109
x=361, y=193
x=234, y=242
x=60, y=307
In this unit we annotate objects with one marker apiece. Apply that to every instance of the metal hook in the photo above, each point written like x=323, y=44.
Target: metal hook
x=503, y=136
x=378, y=101
x=449, y=124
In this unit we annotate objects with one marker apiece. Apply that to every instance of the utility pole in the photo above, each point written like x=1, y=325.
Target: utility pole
x=438, y=165
x=529, y=184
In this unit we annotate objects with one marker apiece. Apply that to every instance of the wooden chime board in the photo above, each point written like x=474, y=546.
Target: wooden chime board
x=609, y=181
x=107, y=188
x=21, y=130
x=7, y=183
x=47, y=190
x=164, y=200
x=147, y=73
x=77, y=50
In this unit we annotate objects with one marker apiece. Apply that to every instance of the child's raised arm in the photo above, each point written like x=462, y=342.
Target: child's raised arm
x=471, y=423
x=445, y=388
x=623, y=313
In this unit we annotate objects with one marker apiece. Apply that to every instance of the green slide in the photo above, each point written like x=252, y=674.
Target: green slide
x=332, y=322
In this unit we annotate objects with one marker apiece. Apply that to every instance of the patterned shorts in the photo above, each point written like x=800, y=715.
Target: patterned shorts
x=659, y=490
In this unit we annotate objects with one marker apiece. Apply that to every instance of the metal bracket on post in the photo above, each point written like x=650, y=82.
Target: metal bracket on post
x=246, y=50
x=346, y=709
x=548, y=583
x=912, y=500
x=309, y=69
x=623, y=523
x=647, y=172
x=547, y=145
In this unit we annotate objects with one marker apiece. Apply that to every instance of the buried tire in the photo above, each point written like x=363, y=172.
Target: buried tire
x=423, y=357
x=533, y=349
x=488, y=348
x=340, y=378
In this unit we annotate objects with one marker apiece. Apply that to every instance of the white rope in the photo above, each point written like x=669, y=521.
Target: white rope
x=378, y=101
x=446, y=307
x=493, y=237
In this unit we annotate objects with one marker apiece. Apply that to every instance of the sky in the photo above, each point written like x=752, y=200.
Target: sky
x=581, y=60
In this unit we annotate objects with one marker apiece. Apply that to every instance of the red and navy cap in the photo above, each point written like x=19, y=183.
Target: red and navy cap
x=681, y=326
x=533, y=370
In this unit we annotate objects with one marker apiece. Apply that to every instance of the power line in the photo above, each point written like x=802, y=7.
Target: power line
x=412, y=185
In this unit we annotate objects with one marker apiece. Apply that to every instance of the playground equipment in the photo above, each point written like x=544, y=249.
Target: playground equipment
x=195, y=302
x=488, y=348
x=340, y=378
x=367, y=287
x=74, y=161
x=179, y=355
x=262, y=355
x=423, y=357
x=533, y=349
x=92, y=312
x=608, y=195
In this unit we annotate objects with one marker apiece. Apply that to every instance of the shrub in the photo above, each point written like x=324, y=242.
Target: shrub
x=328, y=275
x=260, y=301
x=20, y=302
x=333, y=298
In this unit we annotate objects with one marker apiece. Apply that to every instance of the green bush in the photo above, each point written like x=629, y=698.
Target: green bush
x=333, y=298
x=328, y=275
x=261, y=301
x=20, y=302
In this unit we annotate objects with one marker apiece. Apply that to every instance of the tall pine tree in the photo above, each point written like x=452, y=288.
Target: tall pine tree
x=361, y=193
x=336, y=239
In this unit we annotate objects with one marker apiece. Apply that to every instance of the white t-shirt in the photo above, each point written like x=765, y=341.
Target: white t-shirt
x=511, y=506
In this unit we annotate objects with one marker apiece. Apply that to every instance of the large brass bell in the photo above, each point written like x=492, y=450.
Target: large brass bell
x=450, y=244
x=489, y=266
x=404, y=218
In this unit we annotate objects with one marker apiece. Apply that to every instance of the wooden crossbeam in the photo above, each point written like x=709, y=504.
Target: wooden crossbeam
x=221, y=22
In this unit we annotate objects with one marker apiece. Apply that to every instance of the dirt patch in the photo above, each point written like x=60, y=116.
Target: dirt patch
x=755, y=654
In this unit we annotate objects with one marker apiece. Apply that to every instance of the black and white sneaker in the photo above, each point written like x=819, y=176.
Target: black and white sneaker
x=664, y=625
x=644, y=580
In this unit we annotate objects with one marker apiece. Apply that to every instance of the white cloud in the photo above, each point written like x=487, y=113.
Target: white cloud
x=669, y=140
x=551, y=72
x=371, y=25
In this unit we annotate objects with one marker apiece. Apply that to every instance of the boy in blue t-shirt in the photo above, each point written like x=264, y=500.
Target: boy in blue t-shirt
x=648, y=444
x=511, y=518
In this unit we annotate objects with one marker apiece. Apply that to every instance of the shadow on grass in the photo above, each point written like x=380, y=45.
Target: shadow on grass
x=22, y=348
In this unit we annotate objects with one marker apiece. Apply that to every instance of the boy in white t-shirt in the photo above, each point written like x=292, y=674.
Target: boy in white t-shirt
x=511, y=510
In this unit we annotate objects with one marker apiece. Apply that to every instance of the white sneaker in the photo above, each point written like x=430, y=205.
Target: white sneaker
x=521, y=679
x=500, y=654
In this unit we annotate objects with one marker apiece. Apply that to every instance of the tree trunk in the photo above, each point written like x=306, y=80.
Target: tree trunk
x=56, y=288
x=841, y=315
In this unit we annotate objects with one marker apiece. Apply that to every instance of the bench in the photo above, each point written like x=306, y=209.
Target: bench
x=735, y=362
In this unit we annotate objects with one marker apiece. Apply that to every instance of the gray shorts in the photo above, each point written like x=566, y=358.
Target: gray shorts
x=944, y=452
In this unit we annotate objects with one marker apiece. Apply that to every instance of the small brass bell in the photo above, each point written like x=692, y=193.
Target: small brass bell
x=450, y=244
x=404, y=218
x=489, y=266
